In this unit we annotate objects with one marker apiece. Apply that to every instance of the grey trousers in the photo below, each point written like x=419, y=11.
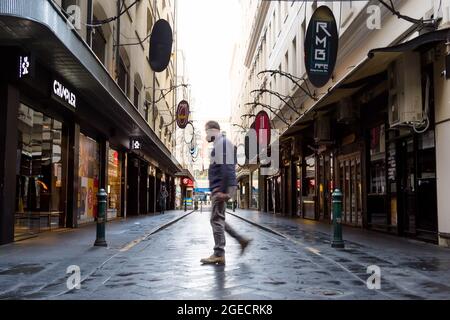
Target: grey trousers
x=219, y=227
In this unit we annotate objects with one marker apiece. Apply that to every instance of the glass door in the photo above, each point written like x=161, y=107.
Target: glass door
x=39, y=176
x=350, y=181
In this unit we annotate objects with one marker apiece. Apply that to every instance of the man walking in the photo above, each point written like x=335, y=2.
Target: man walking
x=163, y=194
x=222, y=182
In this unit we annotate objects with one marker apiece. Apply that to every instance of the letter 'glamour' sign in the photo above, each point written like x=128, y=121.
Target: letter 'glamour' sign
x=321, y=46
x=63, y=94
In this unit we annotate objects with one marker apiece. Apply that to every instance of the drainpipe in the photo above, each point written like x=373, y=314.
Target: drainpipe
x=154, y=75
x=89, y=22
x=118, y=40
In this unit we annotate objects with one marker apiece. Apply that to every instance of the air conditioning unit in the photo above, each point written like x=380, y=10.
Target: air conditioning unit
x=296, y=146
x=405, y=91
x=322, y=130
x=346, y=111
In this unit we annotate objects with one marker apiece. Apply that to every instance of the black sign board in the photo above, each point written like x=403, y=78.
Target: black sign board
x=321, y=46
x=160, y=45
x=25, y=66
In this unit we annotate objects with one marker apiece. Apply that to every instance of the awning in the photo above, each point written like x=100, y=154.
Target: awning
x=243, y=173
x=185, y=173
x=368, y=70
x=40, y=27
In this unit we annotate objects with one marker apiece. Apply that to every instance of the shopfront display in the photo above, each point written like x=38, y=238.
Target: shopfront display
x=39, y=189
x=114, y=184
x=89, y=175
x=309, y=188
x=350, y=182
x=378, y=169
x=254, y=179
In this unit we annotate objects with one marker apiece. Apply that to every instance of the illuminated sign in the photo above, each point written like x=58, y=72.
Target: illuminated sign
x=62, y=93
x=183, y=114
x=135, y=144
x=24, y=66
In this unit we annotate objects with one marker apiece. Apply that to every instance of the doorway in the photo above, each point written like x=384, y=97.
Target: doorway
x=350, y=181
x=417, y=187
x=325, y=185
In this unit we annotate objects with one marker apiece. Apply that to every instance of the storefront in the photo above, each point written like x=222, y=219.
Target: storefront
x=88, y=179
x=244, y=192
x=114, y=190
x=39, y=173
x=254, y=189
x=137, y=185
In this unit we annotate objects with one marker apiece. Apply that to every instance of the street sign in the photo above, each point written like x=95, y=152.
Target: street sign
x=160, y=45
x=182, y=114
x=321, y=46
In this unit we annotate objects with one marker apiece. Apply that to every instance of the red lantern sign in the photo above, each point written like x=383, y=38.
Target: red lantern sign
x=262, y=127
x=187, y=182
x=183, y=114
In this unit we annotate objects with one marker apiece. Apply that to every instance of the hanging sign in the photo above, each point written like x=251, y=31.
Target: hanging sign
x=321, y=46
x=183, y=114
x=135, y=144
x=188, y=182
x=262, y=128
x=161, y=42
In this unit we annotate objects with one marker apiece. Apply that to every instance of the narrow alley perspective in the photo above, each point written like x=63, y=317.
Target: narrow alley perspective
x=205, y=151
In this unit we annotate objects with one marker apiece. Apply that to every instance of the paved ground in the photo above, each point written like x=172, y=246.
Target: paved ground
x=297, y=264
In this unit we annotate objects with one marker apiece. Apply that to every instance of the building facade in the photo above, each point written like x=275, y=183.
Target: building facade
x=82, y=110
x=376, y=130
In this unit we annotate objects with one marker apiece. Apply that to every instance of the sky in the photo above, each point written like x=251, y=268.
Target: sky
x=207, y=31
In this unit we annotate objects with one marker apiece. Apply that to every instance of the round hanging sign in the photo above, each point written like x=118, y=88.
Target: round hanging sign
x=321, y=46
x=183, y=114
x=262, y=128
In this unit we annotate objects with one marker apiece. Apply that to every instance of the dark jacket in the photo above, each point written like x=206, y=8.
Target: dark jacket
x=222, y=168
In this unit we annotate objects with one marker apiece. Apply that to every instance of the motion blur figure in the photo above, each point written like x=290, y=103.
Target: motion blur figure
x=223, y=185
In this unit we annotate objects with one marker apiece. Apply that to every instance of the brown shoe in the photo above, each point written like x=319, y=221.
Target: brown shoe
x=213, y=260
x=244, y=245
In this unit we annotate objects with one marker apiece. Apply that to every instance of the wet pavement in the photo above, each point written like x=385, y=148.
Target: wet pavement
x=293, y=261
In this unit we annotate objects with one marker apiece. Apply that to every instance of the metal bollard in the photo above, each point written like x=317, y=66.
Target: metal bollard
x=337, y=219
x=185, y=205
x=101, y=219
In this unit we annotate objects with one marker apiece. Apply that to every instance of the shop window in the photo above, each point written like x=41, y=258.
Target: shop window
x=124, y=78
x=114, y=184
x=309, y=189
x=136, y=97
x=255, y=190
x=99, y=43
x=39, y=198
x=378, y=160
x=89, y=175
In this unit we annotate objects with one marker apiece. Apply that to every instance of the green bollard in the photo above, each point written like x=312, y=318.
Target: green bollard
x=337, y=219
x=101, y=219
